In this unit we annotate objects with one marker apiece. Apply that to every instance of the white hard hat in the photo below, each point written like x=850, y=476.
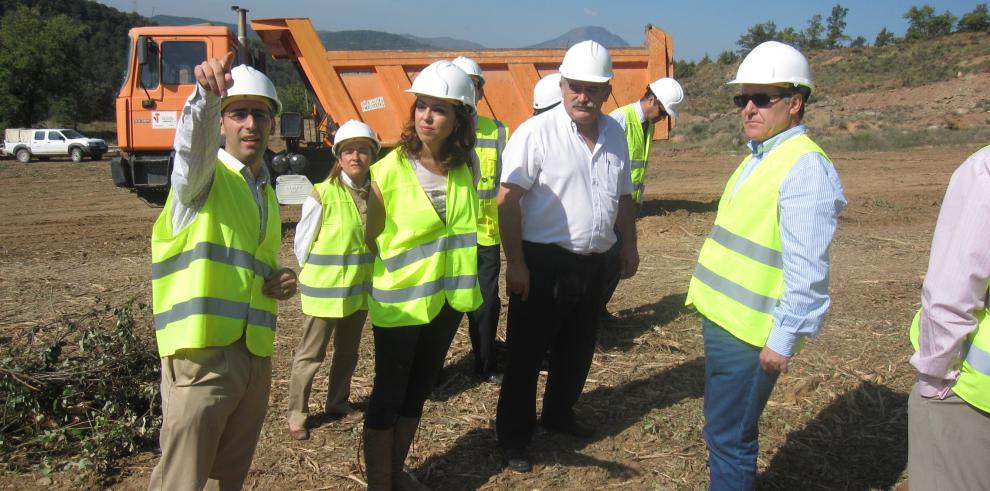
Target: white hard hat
x=546, y=92
x=248, y=83
x=354, y=129
x=774, y=62
x=444, y=80
x=669, y=93
x=470, y=67
x=587, y=61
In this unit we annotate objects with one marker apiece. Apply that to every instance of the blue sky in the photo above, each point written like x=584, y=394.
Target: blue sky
x=698, y=27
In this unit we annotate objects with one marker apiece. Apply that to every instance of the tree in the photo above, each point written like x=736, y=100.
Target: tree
x=884, y=38
x=39, y=64
x=727, y=57
x=811, y=38
x=706, y=60
x=755, y=35
x=836, y=27
x=789, y=36
x=924, y=24
x=976, y=21
x=859, y=42
x=684, y=69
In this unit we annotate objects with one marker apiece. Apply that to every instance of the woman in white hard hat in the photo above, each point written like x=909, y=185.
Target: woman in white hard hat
x=422, y=225
x=335, y=277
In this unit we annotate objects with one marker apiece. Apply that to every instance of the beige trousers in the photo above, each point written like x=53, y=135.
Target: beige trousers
x=214, y=402
x=310, y=353
x=948, y=444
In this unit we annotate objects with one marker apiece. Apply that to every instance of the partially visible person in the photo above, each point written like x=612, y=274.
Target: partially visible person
x=336, y=275
x=422, y=227
x=491, y=135
x=949, y=407
x=761, y=282
x=565, y=187
x=215, y=280
x=546, y=93
x=638, y=120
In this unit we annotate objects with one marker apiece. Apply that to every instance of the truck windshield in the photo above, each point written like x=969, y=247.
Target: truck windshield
x=72, y=134
x=179, y=58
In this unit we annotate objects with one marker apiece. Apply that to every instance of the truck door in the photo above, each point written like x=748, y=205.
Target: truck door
x=40, y=144
x=57, y=144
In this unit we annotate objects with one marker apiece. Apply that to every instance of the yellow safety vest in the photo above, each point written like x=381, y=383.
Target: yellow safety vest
x=422, y=261
x=336, y=278
x=491, y=137
x=206, y=280
x=973, y=384
x=639, y=149
x=739, y=278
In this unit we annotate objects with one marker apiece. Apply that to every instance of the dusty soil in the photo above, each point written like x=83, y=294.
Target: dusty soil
x=71, y=242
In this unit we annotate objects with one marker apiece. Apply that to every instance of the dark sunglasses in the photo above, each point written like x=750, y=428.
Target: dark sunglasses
x=759, y=100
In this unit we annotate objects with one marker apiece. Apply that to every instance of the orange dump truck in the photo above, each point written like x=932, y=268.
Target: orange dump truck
x=364, y=85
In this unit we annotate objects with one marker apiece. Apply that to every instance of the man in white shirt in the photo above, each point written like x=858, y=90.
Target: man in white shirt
x=565, y=184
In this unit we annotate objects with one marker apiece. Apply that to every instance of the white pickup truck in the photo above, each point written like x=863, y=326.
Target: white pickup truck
x=26, y=143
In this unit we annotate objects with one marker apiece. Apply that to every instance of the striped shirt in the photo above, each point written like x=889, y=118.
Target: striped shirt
x=811, y=199
x=958, y=273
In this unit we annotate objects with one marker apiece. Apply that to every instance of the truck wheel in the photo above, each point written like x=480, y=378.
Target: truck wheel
x=76, y=154
x=23, y=155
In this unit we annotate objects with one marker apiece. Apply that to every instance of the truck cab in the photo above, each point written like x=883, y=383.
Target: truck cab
x=159, y=79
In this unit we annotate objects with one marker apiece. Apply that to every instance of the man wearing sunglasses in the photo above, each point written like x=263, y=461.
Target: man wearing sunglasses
x=216, y=280
x=565, y=185
x=761, y=282
x=638, y=120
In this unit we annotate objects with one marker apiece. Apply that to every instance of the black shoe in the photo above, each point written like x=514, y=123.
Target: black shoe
x=516, y=460
x=571, y=427
x=606, y=317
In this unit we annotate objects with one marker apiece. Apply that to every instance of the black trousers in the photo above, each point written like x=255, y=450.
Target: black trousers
x=483, y=323
x=561, y=313
x=407, y=361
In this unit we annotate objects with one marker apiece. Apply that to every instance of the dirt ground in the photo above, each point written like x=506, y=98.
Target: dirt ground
x=71, y=242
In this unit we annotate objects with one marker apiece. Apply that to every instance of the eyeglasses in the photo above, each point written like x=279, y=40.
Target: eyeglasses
x=586, y=89
x=759, y=100
x=241, y=115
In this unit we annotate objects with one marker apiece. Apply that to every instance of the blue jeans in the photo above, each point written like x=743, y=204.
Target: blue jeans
x=736, y=391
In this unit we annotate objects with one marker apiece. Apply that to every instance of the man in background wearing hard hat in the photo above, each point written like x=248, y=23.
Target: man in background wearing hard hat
x=566, y=184
x=638, y=120
x=487, y=170
x=761, y=282
x=546, y=93
x=216, y=280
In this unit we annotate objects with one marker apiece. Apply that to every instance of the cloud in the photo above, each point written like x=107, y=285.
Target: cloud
x=590, y=12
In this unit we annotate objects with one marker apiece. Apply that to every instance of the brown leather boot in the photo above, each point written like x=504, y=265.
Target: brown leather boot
x=378, y=458
x=405, y=433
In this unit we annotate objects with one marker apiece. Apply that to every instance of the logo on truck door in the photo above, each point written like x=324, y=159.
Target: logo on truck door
x=164, y=119
x=372, y=104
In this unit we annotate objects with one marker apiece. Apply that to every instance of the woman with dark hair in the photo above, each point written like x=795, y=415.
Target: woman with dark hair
x=422, y=225
x=335, y=277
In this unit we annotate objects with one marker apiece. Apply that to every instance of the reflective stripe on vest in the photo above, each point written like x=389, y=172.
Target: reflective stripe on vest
x=739, y=278
x=973, y=384
x=336, y=279
x=639, y=149
x=422, y=261
x=207, y=278
x=487, y=169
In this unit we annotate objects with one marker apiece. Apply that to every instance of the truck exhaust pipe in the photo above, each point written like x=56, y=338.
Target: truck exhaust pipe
x=243, y=57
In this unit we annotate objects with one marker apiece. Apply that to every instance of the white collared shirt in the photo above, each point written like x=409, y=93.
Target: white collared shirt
x=572, y=193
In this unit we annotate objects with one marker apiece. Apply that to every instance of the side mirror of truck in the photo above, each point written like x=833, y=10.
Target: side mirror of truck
x=291, y=125
x=146, y=48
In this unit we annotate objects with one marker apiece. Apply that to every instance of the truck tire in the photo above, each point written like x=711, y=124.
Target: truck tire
x=76, y=154
x=23, y=155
